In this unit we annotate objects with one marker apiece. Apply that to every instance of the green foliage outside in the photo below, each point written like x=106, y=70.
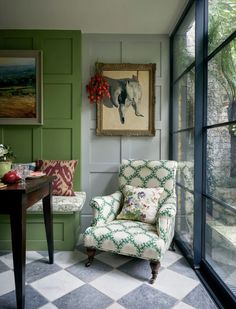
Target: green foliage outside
x=222, y=67
x=222, y=23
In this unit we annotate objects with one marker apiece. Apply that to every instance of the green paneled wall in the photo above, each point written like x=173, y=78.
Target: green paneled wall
x=65, y=232
x=59, y=136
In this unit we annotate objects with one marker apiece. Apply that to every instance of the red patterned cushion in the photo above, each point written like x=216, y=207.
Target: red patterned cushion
x=64, y=172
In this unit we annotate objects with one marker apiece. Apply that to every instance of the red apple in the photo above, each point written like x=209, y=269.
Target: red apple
x=10, y=177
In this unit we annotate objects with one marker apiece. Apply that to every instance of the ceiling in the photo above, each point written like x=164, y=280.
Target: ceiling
x=93, y=16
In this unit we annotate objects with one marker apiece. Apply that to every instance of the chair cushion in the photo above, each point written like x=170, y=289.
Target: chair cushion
x=64, y=172
x=140, y=204
x=126, y=237
x=62, y=204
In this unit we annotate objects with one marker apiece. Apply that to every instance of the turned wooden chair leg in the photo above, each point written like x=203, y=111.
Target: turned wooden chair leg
x=154, y=267
x=91, y=253
x=172, y=246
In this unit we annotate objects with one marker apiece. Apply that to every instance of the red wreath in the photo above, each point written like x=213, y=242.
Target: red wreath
x=98, y=88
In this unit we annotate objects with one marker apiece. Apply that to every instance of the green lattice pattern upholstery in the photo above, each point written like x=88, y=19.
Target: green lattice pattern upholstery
x=105, y=208
x=150, y=174
x=133, y=238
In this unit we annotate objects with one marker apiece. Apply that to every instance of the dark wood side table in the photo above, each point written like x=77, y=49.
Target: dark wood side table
x=14, y=200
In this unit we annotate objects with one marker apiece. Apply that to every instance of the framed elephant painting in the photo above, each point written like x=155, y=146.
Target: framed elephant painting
x=130, y=108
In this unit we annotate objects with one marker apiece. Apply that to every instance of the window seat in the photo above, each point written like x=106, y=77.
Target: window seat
x=66, y=224
x=63, y=204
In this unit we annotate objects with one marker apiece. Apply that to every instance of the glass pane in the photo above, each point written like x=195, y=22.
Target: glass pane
x=185, y=174
x=184, y=218
x=222, y=85
x=220, y=242
x=184, y=154
x=221, y=164
x=184, y=96
x=221, y=21
x=184, y=44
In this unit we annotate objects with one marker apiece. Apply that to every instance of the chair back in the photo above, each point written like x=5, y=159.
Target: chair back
x=150, y=174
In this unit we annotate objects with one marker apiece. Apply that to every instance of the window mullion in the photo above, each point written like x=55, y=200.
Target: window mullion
x=200, y=50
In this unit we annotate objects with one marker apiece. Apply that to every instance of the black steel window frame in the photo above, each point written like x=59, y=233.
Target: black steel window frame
x=217, y=288
x=216, y=285
x=184, y=248
x=188, y=69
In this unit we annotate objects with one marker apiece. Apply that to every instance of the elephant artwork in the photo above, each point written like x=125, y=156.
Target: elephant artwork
x=130, y=108
x=125, y=92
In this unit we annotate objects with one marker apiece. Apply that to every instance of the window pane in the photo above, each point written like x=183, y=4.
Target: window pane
x=184, y=102
x=185, y=174
x=184, y=218
x=222, y=85
x=184, y=154
x=221, y=164
x=220, y=242
x=221, y=21
x=184, y=44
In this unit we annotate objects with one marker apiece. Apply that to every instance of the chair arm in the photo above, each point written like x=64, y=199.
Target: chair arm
x=167, y=210
x=166, y=222
x=105, y=208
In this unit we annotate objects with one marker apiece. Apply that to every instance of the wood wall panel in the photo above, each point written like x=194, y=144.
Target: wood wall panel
x=60, y=61
x=57, y=143
x=58, y=101
x=102, y=155
x=104, y=149
x=142, y=50
x=18, y=43
x=21, y=140
x=59, y=136
x=103, y=182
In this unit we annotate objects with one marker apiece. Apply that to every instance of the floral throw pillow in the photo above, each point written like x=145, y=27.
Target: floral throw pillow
x=140, y=204
x=64, y=172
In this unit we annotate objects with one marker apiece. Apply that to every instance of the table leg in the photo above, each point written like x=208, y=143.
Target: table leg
x=47, y=212
x=18, y=231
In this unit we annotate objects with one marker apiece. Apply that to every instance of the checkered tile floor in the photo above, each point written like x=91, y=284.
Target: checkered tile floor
x=112, y=281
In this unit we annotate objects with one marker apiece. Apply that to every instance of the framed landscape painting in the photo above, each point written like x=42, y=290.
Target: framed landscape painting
x=130, y=108
x=20, y=87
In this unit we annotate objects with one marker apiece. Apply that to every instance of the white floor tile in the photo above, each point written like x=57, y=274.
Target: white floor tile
x=170, y=258
x=7, y=283
x=115, y=284
x=57, y=285
x=67, y=258
x=48, y=306
x=7, y=259
x=114, y=260
x=31, y=256
x=174, y=284
x=115, y=306
x=182, y=305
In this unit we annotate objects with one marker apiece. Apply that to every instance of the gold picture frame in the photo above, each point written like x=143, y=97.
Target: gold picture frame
x=131, y=109
x=21, y=87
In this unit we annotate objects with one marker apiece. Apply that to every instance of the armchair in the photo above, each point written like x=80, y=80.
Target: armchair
x=134, y=238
